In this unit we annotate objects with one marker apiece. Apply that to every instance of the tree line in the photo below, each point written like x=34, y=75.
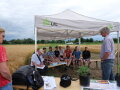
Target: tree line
x=31, y=41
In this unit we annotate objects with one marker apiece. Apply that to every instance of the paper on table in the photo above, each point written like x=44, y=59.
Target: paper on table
x=49, y=82
x=103, y=81
x=41, y=67
x=54, y=64
x=63, y=63
x=98, y=85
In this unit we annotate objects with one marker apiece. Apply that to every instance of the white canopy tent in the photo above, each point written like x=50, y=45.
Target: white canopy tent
x=69, y=24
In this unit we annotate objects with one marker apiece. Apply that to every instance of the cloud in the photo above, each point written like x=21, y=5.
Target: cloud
x=17, y=16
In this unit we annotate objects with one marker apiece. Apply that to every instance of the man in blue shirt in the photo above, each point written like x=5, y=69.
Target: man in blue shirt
x=107, y=55
x=76, y=54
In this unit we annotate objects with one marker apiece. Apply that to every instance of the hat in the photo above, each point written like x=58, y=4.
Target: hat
x=65, y=81
x=40, y=50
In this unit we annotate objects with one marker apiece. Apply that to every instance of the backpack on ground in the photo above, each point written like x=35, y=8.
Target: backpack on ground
x=27, y=75
x=65, y=80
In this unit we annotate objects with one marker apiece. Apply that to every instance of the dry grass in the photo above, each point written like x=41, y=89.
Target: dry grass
x=18, y=55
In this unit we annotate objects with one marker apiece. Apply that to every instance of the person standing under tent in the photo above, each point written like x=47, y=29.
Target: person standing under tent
x=107, y=55
x=5, y=76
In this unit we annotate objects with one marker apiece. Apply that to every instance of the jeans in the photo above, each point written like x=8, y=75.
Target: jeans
x=7, y=87
x=107, y=69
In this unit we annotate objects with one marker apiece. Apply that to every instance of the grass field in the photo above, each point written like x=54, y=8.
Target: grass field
x=19, y=55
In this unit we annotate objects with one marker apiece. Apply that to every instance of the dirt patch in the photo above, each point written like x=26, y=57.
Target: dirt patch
x=59, y=71
x=94, y=71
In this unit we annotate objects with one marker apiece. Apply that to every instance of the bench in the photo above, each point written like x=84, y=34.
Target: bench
x=96, y=61
x=92, y=60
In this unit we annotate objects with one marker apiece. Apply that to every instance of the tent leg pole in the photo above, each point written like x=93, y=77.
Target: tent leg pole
x=35, y=39
x=65, y=42
x=117, y=49
x=79, y=41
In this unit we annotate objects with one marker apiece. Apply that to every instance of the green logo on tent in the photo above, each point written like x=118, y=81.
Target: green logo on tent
x=110, y=26
x=46, y=22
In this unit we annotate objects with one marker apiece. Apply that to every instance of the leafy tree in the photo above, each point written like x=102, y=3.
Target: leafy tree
x=82, y=40
x=5, y=42
x=76, y=40
x=91, y=40
x=43, y=41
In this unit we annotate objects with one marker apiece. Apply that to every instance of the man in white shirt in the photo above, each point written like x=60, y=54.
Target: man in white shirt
x=107, y=55
x=37, y=61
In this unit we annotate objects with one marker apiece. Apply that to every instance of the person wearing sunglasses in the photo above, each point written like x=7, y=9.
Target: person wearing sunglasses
x=5, y=75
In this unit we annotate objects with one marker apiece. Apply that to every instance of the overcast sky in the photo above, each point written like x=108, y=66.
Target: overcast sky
x=17, y=16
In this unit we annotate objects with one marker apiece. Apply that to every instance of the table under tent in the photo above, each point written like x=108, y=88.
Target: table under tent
x=68, y=25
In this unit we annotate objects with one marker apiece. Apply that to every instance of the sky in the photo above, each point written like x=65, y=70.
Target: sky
x=17, y=16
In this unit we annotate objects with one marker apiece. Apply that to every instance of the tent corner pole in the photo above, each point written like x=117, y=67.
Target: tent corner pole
x=35, y=39
x=79, y=40
x=65, y=42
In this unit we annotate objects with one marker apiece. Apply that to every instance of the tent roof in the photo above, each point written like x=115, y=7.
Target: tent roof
x=69, y=24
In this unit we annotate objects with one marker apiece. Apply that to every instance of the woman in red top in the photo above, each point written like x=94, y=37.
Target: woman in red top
x=5, y=76
x=68, y=55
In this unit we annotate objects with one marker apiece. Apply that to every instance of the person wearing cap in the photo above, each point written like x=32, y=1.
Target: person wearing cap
x=107, y=55
x=5, y=75
x=37, y=60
